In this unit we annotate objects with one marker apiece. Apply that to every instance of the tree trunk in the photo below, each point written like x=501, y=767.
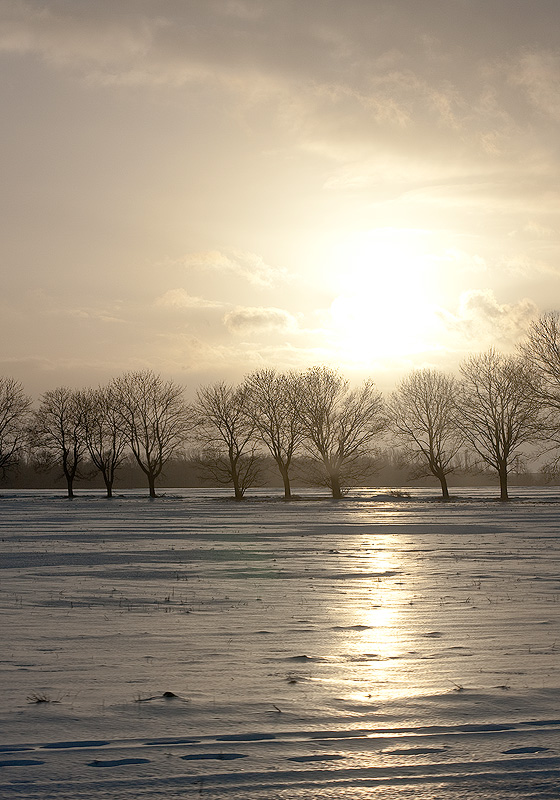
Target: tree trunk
x=335, y=486
x=444, y=489
x=152, y=485
x=69, y=473
x=502, y=472
x=286, y=481
x=107, y=481
x=237, y=488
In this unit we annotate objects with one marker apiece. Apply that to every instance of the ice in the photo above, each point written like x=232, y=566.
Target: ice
x=191, y=645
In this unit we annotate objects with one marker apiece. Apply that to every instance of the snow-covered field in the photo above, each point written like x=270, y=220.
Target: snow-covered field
x=195, y=647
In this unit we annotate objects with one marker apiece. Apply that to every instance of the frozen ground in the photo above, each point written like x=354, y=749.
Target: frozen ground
x=370, y=648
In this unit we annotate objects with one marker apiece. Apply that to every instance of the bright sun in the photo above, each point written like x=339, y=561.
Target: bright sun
x=384, y=306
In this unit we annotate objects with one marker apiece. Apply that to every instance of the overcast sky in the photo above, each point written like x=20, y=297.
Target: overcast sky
x=204, y=187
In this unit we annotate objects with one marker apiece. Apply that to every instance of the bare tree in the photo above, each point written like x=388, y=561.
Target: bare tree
x=153, y=417
x=275, y=417
x=541, y=348
x=339, y=424
x=56, y=432
x=499, y=410
x=423, y=414
x=225, y=431
x=103, y=434
x=14, y=412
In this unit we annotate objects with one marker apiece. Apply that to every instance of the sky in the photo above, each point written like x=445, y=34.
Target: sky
x=208, y=187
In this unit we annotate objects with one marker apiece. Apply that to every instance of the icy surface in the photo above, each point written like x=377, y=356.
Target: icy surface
x=192, y=646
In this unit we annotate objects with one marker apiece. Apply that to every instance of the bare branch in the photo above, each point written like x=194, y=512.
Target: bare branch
x=14, y=414
x=339, y=424
x=104, y=436
x=423, y=414
x=154, y=418
x=499, y=409
x=57, y=432
x=275, y=418
x=225, y=431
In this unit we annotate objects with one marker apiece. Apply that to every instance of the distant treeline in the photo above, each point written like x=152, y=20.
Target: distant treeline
x=386, y=470
x=307, y=427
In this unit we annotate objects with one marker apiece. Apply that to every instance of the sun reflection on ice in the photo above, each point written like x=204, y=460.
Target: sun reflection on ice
x=374, y=619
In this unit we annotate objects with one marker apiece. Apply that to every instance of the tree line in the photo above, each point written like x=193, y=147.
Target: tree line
x=496, y=408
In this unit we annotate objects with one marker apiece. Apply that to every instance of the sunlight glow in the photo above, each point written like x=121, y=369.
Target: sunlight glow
x=377, y=647
x=385, y=305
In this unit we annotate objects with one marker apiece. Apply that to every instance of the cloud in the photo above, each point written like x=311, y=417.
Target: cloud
x=249, y=266
x=92, y=315
x=134, y=41
x=537, y=73
x=244, y=10
x=480, y=317
x=65, y=33
x=462, y=262
x=181, y=299
x=537, y=230
x=242, y=320
x=335, y=81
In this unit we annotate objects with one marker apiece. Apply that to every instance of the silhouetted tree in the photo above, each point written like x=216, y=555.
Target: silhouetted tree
x=423, y=415
x=499, y=410
x=103, y=433
x=541, y=348
x=14, y=413
x=56, y=432
x=153, y=417
x=339, y=424
x=274, y=414
x=225, y=431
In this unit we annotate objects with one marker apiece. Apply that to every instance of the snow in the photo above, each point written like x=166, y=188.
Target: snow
x=190, y=646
